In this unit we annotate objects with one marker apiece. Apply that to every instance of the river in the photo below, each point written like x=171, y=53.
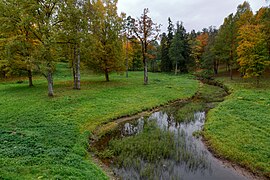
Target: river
x=167, y=143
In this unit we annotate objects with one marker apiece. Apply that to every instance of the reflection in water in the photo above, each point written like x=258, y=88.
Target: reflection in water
x=175, y=154
x=187, y=157
x=190, y=159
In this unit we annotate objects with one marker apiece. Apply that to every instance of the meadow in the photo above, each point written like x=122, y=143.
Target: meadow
x=238, y=129
x=47, y=138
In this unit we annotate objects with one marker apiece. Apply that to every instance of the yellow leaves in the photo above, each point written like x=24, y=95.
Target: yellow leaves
x=252, y=50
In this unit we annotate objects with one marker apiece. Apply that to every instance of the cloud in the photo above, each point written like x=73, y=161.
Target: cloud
x=195, y=14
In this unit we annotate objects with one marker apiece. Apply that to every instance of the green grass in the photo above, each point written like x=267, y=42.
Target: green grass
x=47, y=138
x=239, y=128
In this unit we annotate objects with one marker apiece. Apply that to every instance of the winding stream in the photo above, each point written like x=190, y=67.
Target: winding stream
x=166, y=144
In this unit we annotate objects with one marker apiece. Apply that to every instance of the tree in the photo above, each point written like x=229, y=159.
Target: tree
x=18, y=42
x=127, y=35
x=202, y=41
x=72, y=33
x=105, y=51
x=152, y=55
x=147, y=32
x=195, y=47
x=45, y=18
x=136, y=56
x=178, y=47
x=263, y=18
x=166, y=63
x=210, y=60
x=252, y=51
x=226, y=42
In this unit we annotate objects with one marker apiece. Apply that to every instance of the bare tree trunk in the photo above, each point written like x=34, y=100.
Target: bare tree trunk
x=30, y=77
x=50, y=83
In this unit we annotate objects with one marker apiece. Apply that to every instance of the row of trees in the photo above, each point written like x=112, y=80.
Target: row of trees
x=36, y=34
x=242, y=43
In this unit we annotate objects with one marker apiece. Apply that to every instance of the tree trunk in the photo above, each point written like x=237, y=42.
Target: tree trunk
x=30, y=77
x=107, y=75
x=127, y=59
x=78, y=73
x=50, y=84
x=176, y=68
x=74, y=68
x=144, y=51
x=145, y=70
x=231, y=62
x=145, y=74
x=231, y=73
x=216, y=64
x=258, y=81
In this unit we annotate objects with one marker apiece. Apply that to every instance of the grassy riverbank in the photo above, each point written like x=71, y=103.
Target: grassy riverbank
x=47, y=138
x=239, y=128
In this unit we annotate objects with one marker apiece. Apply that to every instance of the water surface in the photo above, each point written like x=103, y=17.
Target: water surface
x=167, y=144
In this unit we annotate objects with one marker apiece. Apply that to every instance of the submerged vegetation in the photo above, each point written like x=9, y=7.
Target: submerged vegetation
x=154, y=148
x=142, y=147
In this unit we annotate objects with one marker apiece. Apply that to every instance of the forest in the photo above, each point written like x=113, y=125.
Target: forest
x=97, y=66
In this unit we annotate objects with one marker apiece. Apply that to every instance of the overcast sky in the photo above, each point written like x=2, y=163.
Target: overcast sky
x=195, y=14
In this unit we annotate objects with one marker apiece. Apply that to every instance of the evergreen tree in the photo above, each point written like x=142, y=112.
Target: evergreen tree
x=166, y=62
x=180, y=50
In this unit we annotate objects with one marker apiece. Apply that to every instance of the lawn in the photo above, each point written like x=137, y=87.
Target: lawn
x=47, y=138
x=239, y=128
